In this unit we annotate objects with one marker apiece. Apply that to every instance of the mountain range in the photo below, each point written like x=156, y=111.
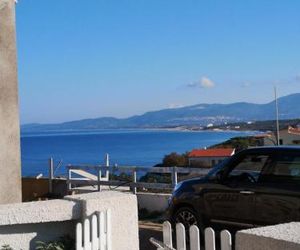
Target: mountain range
x=195, y=115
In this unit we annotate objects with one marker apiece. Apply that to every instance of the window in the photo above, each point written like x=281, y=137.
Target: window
x=250, y=165
x=286, y=168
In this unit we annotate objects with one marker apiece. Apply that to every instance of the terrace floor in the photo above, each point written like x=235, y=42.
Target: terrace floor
x=147, y=230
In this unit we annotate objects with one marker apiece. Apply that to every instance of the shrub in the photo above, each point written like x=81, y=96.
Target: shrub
x=175, y=160
x=64, y=243
x=6, y=247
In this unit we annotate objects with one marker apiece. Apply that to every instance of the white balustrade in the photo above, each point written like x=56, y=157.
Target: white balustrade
x=194, y=238
x=94, y=233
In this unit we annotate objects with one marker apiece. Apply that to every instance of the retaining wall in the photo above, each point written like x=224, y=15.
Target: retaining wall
x=22, y=224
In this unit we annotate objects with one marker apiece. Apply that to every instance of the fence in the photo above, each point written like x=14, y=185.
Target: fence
x=96, y=180
x=95, y=233
x=194, y=238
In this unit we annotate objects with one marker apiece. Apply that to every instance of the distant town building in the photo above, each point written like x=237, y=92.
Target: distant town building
x=207, y=158
x=288, y=136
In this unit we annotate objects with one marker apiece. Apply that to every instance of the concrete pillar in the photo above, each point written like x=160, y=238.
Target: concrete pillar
x=10, y=166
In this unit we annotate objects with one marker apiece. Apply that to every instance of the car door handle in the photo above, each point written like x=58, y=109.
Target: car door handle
x=246, y=192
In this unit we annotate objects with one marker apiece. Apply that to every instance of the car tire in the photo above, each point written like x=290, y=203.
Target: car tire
x=188, y=217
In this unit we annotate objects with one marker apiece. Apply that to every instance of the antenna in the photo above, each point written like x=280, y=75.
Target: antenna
x=277, y=116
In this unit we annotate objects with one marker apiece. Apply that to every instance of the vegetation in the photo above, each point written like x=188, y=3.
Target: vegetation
x=175, y=159
x=239, y=143
x=120, y=176
x=6, y=247
x=49, y=246
x=64, y=243
x=156, y=178
x=171, y=160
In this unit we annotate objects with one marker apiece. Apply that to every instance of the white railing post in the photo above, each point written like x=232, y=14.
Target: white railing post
x=210, y=243
x=51, y=175
x=86, y=235
x=101, y=230
x=99, y=179
x=134, y=178
x=174, y=176
x=194, y=238
x=94, y=233
x=108, y=230
x=167, y=234
x=79, y=236
x=69, y=178
x=180, y=237
x=95, y=242
x=226, y=242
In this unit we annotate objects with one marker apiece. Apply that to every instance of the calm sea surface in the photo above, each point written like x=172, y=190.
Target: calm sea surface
x=126, y=147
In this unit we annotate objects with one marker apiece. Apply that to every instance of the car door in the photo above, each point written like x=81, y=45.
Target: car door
x=231, y=201
x=278, y=192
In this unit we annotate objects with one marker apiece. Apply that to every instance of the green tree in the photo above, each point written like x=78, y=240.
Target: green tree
x=174, y=159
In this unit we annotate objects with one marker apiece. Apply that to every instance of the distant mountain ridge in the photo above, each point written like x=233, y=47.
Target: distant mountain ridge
x=198, y=115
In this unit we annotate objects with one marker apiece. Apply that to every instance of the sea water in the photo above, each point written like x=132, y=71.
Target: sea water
x=144, y=148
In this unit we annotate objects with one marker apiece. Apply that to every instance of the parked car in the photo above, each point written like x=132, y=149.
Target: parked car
x=255, y=187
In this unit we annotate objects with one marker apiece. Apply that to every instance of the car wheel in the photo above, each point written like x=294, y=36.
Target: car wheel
x=188, y=217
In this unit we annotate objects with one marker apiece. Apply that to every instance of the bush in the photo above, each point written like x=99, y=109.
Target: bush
x=64, y=243
x=6, y=247
x=175, y=160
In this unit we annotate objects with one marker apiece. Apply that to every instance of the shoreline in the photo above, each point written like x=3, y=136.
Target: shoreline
x=116, y=130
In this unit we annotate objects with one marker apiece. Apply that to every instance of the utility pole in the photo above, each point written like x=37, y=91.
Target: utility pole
x=277, y=116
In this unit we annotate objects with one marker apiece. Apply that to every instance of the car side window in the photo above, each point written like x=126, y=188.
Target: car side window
x=249, y=168
x=286, y=169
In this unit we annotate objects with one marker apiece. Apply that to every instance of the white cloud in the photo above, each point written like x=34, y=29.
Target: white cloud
x=204, y=82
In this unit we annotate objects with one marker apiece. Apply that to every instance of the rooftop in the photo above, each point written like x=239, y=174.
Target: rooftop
x=217, y=152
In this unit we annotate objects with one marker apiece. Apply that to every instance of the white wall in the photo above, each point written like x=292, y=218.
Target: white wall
x=205, y=161
x=22, y=224
x=278, y=237
x=124, y=215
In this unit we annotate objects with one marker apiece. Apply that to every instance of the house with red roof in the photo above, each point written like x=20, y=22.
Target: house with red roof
x=207, y=158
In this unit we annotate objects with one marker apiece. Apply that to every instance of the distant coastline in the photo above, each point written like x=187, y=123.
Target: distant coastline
x=235, y=116
x=133, y=130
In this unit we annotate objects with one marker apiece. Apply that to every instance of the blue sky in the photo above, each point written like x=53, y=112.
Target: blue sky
x=85, y=59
